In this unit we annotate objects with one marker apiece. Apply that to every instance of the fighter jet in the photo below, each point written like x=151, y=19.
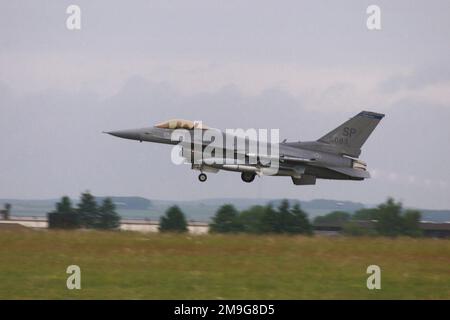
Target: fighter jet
x=333, y=156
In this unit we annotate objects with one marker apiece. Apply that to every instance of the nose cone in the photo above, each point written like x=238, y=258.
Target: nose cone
x=132, y=134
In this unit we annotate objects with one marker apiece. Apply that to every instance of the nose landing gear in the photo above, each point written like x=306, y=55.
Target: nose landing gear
x=248, y=176
x=202, y=177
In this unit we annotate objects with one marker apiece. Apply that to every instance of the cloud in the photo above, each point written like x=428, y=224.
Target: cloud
x=417, y=79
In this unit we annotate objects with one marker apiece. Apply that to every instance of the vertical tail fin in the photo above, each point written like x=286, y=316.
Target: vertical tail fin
x=349, y=137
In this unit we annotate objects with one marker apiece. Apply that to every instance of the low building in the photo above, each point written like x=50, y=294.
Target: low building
x=5, y=213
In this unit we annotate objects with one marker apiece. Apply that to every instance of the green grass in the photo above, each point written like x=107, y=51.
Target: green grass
x=126, y=265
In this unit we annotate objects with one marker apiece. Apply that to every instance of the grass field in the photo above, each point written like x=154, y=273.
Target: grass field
x=126, y=265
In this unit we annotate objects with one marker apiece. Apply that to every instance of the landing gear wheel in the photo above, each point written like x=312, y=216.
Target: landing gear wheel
x=248, y=176
x=202, y=177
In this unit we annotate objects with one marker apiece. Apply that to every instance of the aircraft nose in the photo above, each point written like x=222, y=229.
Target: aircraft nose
x=126, y=134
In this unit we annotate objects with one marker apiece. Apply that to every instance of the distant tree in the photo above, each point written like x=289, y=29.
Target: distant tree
x=270, y=220
x=411, y=223
x=333, y=218
x=389, y=219
x=87, y=215
x=173, y=221
x=299, y=222
x=109, y=219
x=353, y=228
x=389, y=222
x=251, y=219
x=283, y=217
x=226, y=220
x=366, y=214
x=285, y=220
x=65, y=206
x=276, y=220
x=88, y=210
x=65, y=216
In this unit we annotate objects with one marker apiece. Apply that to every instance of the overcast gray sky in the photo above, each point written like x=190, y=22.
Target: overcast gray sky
x=301, y=67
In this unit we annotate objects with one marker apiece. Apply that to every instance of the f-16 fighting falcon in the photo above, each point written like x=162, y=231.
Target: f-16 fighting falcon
x=333, y=156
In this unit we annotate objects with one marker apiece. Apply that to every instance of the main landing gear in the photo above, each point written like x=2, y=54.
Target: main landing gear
x=202, y=177
x=248, y=176
x=245, y=176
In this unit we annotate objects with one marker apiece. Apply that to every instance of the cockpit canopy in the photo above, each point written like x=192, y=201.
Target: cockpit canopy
x=181, y=124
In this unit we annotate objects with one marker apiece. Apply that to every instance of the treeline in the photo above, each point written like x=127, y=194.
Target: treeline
x=88, y=214
x=388, y=219
x=262, y=219
x=257, y=220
